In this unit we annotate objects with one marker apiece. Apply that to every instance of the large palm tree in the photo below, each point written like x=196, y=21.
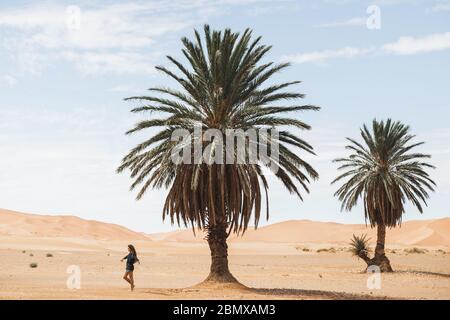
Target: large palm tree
x=223, y=86
x=385, y=173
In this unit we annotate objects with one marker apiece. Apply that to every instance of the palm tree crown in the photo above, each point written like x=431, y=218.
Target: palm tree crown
x=220, y=88
x=385, y=173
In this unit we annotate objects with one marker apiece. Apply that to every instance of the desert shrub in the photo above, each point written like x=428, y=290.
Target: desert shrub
x=49, y=255
x=23, y=251
x=416, y=250
x=33, y=265
x=31, y=255
x=330, y=250
x=305, y=250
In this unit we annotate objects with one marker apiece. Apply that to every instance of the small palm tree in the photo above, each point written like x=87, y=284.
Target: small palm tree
x=384, y=173
x=359, y=246
x=224, y=86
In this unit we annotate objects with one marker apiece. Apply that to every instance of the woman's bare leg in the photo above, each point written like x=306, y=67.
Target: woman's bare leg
x=130, y=275
x=125, y=277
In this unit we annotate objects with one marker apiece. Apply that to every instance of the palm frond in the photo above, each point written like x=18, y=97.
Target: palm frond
x=222, y=86
x=359, y=245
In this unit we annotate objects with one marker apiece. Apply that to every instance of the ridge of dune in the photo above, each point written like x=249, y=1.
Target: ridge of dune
x=14, y=223
x=417, y=232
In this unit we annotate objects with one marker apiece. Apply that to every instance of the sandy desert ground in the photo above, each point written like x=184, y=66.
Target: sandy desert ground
x=279, y=261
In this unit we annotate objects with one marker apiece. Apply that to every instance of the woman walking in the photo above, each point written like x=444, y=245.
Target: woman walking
x=131, y=258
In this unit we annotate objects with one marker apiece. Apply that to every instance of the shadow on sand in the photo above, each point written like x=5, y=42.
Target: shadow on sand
x=425, y=273
x=315, y=294
x=282, y=293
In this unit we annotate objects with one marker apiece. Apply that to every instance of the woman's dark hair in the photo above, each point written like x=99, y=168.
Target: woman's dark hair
x=133, y=250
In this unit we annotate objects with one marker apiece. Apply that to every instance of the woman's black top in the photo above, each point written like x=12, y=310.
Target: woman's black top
x=131, y=260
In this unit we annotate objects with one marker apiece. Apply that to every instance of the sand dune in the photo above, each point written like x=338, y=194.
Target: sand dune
x=21, y=224
x=421, y=233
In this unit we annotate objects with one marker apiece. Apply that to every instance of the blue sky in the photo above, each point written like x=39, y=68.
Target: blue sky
x=62, y=80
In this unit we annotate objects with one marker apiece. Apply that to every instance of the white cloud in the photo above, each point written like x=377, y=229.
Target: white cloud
x=403, y=46
x=90, y=63
x=338, y=2
x=412, y=45
x=8, y=81
x=395, y=2
x=376, y=2
x=443, y=6
x=117, y=26
x=272, y=7
x=353, y=22
x=106, y=38
x=126, y=88
x=26, y=56
x=322, y=56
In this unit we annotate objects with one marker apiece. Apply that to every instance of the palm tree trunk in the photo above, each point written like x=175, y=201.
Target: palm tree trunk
x=217, y=241
x=380, y=258
x=365, y=258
